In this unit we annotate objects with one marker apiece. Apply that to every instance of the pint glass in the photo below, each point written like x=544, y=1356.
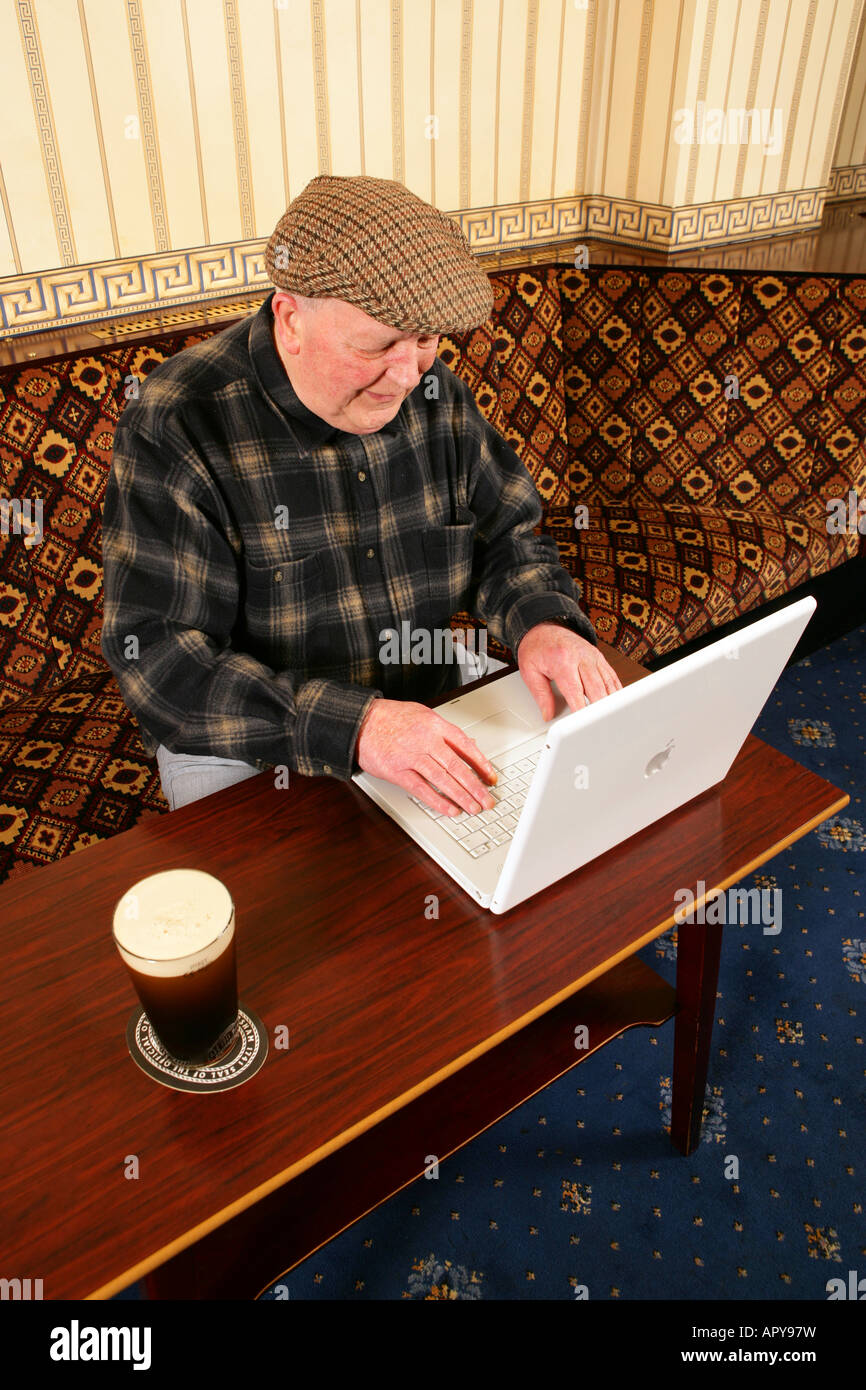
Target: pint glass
x=175, y=932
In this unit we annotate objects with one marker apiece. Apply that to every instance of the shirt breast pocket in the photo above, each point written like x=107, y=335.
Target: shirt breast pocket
x=449, y=553
x=286, y=612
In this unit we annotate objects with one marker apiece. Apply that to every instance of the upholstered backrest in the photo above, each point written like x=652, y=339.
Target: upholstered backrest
x=840, y=450
x=528, y=318
x=693, y=390
x=28, y=663
x=472, y=357
x=513, y=365
x=601, y=331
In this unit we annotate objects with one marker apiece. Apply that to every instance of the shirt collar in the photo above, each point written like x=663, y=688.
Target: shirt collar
x=309, y=429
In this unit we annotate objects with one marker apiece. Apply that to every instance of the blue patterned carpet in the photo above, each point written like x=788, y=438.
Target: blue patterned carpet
x=579, y=1192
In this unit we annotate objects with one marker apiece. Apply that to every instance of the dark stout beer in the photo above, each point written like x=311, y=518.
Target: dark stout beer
x=176, y=934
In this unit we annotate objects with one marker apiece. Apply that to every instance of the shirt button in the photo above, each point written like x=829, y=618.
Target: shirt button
x=278, y=576
x=362, y=476
x=326, y=769
x=370, y=554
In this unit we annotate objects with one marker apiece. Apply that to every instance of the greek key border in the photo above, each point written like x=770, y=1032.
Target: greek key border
x=109, y=289
x=846, y=181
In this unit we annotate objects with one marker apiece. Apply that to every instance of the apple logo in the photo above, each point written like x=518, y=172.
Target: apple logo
x=657, y=763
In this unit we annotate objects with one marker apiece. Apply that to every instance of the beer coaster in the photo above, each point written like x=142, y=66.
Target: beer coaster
x=243, y=1061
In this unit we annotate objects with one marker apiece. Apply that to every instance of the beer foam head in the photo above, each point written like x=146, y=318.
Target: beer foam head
x=174, y=922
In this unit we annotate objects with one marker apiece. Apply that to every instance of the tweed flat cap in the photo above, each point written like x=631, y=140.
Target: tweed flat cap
x=374, y=244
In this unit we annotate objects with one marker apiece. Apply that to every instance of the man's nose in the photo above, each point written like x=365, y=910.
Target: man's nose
x=405, y=365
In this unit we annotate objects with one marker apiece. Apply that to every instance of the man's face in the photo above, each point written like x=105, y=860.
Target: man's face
x=345, y=366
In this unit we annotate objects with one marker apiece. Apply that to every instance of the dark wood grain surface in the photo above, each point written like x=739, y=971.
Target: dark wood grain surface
x=334, y=944
x=243, y=1256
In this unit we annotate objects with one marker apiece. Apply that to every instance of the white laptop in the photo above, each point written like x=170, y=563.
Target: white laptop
x=571, y=789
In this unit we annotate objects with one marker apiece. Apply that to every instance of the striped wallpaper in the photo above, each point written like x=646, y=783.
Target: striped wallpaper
x=148, y=147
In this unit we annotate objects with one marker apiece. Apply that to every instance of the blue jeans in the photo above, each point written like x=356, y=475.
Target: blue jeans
x=186, y=777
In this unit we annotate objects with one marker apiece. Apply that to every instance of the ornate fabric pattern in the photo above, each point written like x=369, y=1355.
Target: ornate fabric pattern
x=782, y=363
x=602, y=316
x=679, y=413
x=654, y=578
x=27, y=658
x=72, y=772
x=528, y=321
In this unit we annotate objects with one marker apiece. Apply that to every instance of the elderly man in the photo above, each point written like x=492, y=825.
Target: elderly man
x=289, y=491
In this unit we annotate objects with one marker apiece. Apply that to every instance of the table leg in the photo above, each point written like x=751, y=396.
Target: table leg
x=699, y=948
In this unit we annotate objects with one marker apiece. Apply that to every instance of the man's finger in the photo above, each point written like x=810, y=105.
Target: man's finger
x=452, y=765
x=610, y=679
x=469, y=751
x=594, y=681
x=463, y=773
x=539, y=688
x=451, y=788
x=576, y=689
x=416, y=785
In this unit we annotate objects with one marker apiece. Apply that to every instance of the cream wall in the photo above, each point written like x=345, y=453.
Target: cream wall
x=148, y=147
x=848, y=174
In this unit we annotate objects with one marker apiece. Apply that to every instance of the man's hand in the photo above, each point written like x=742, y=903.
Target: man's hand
x=551, y=652
x=415, y=748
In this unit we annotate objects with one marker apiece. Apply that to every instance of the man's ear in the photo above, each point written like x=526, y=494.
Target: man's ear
x=286, y=312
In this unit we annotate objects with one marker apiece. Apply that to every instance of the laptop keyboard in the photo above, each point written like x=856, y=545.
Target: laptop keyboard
x=484, y=832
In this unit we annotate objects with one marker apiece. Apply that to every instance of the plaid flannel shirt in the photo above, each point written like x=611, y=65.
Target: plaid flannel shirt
x=257, y=554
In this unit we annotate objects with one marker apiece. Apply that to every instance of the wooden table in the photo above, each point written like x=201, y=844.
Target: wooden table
x=409, y=1035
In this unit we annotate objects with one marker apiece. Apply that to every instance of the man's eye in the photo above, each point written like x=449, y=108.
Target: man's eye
x=427, y=341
